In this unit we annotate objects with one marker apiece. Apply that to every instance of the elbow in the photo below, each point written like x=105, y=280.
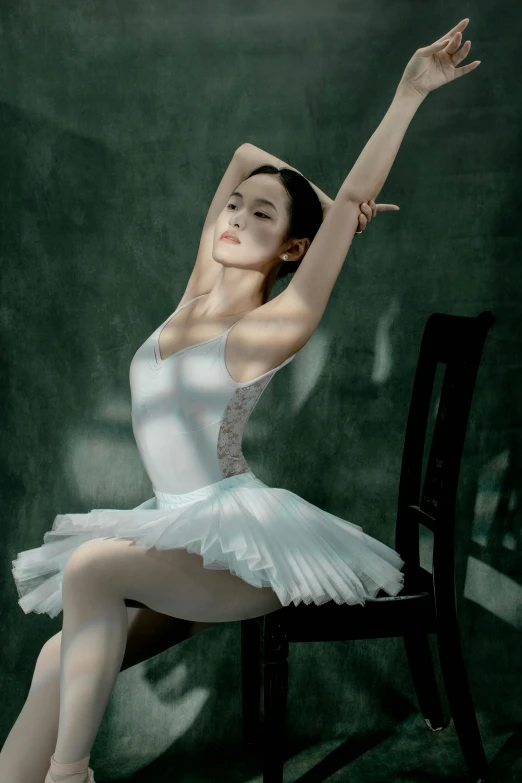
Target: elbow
x=246, y=147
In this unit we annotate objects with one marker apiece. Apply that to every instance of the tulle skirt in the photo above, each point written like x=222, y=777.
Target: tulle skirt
x=267, y=536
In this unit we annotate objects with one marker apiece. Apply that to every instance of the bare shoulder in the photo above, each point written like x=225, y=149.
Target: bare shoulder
x=267, y=336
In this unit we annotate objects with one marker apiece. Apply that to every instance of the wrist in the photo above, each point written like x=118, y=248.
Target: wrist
x=407, y=92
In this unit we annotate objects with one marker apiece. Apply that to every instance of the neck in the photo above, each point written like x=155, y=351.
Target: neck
x=270, y=280
x=238, y=291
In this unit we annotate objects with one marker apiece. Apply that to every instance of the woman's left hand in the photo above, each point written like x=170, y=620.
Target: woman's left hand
x=435, y=65
x=369, y=210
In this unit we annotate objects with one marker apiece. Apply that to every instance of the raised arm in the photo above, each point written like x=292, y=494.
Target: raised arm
x=286, y=322
x=312, y=284
x=430, y=67
x=206, y=270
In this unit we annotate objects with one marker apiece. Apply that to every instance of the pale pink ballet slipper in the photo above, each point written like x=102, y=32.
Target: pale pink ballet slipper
x=76, y=771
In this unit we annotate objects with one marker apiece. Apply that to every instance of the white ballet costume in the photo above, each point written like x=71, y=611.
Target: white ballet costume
x=188, y=418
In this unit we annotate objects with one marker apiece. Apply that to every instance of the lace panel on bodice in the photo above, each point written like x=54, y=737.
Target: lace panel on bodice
x=239, y=408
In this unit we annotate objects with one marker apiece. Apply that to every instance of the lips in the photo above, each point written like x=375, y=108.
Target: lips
x=231, y=237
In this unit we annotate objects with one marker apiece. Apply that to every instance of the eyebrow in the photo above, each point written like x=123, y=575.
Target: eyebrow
x=257, y=200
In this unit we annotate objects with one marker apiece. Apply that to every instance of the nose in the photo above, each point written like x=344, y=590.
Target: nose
x=235, y=219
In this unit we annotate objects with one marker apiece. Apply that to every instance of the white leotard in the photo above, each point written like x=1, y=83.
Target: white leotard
x=189, y=414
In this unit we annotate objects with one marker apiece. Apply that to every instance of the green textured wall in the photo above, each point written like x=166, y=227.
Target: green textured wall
x=117, y=121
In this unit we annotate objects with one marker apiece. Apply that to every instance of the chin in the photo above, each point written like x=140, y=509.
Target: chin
x=222, y=253
x=226, y=250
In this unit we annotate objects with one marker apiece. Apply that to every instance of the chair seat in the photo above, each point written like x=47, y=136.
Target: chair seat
x=382, y=616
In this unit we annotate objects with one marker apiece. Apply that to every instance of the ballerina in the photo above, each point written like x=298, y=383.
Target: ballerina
x=214, y=544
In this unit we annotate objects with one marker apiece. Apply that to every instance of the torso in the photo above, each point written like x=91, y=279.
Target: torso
x=188, y=411
x=183, y=330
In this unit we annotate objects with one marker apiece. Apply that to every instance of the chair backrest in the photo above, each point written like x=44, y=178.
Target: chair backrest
x=457, y=342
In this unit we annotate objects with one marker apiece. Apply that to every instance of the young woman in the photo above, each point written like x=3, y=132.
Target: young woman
x=215, y=543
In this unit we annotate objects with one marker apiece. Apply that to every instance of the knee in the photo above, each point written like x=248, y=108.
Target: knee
x=92, y=570
x=85, y=562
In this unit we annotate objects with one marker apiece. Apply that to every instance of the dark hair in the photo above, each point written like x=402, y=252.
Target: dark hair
x=304, y=210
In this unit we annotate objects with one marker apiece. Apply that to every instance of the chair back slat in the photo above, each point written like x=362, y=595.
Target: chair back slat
x=417, y=515
x=457, y=342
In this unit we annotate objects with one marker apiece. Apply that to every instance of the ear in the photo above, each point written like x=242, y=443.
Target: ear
x=297, y=249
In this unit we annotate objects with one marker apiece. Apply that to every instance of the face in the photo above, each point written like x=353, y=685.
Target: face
x=260, y=227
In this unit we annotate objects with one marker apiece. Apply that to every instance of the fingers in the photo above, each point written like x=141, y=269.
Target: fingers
x=458, y=27
x=454, y=44
x=452, y=47
x=368, y=213
x=385, y=207
x=466, y=69
x=447, y=39
x=369, y=210
x=457, y=57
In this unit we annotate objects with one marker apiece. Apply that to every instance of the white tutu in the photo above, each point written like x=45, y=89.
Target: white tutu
x=267, y=536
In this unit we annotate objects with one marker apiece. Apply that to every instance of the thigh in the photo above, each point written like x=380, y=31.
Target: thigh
x=173, y=582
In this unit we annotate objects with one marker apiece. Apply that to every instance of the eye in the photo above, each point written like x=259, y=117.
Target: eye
x=255, y=213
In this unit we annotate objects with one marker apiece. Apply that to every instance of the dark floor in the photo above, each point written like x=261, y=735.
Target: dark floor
x=410, y=753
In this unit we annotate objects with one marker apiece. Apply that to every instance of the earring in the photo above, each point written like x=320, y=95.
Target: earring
x=284, y=257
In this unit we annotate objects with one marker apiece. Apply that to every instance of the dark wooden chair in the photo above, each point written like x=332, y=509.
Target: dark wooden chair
x=427, y=603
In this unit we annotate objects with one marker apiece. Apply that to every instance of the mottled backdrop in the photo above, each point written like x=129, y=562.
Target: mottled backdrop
x=117, y=120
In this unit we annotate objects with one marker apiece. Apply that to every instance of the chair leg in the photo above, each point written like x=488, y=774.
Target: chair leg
x=420, y=662
x=275, y=691
x=461, y=702
x=250, y=681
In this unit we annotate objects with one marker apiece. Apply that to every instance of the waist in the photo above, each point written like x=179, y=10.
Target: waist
x=166, y=500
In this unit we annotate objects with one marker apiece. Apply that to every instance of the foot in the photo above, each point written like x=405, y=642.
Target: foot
x=78, y=778
x=78, y=772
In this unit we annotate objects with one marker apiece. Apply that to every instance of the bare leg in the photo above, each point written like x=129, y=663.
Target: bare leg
x=99, y=575
x=31, y=742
